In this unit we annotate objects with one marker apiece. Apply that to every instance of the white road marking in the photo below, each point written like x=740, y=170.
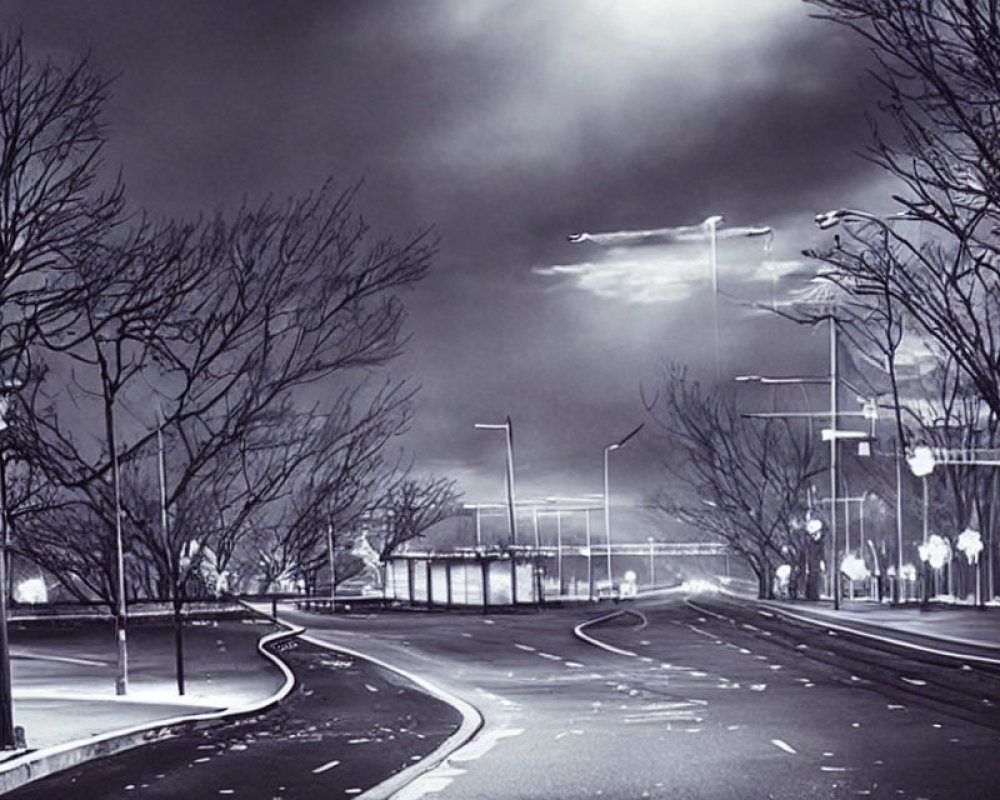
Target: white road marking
x=83, y=662
x=781, y=744
x=913, y=681
x=526, y=647
x=328, y=765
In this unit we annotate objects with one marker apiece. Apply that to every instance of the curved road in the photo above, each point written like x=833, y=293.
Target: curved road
x=715, y=700
x=347, y=726
x=678, y=698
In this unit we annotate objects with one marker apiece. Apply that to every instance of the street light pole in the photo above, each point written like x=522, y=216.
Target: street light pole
x=683, y=233
x=607, y=493
x=825, y=221
x=8, y=736
x=711, y=224
x=559, y=554
x=652, y=565
x=121, y=682
x=507, y=428
x=509, y=479
x=590, y=561
x=833, y=459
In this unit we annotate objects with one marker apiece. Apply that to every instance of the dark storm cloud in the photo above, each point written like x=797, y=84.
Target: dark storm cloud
x=508, y=124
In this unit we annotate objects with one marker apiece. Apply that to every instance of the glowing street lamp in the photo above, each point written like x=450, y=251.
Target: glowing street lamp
x=830, y=219
x=970, y=542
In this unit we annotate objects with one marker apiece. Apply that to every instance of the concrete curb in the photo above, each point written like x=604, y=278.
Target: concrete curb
x=578, y=632
x=822, y=620
x=39, y=763
x=472, y=722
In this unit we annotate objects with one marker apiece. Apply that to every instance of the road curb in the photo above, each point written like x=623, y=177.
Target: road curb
x=39, y=763
x=822, y=621
x=472, y=723
x=578, y=632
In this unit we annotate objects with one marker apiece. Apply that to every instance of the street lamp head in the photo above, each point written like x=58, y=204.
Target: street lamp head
x=489, y=427
x=576, y=238
x=921, y=461
x=713, y=221
x=829, y=219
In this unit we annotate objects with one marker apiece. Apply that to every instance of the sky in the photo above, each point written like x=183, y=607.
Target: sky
x=509, y=125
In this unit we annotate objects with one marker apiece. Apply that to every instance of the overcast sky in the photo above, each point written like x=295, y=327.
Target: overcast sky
x=509, y=124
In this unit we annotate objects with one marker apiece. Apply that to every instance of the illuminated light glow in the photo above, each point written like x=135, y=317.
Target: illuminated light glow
x=699, y=586
x=970, y=542
x=854, y=567
x=32, y=590
x=936, y=551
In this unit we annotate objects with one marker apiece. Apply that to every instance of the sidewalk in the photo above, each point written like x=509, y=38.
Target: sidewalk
x=64, y=680
x=957, y=628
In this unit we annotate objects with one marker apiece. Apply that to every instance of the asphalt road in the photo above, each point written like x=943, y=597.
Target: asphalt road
x=714, y=701
x=687, y=698
x=347, y=726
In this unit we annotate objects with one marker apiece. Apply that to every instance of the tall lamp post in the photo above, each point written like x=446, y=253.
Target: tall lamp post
x=607, y=505
x=921, y=463
x=507, y=428
x=8, y=736
x=509, y=479
x=684, y=233
x=825, y=221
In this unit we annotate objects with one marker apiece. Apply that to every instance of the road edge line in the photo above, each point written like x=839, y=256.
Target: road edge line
x=472, y=722
x=40, y=763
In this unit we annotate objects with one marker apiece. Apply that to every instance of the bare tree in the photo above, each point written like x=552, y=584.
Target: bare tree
x=410, y=508
x=299, y=301
x=51, y=203
x=936, y=132
x=938, y=63
x=335, y=486
x=746, y=482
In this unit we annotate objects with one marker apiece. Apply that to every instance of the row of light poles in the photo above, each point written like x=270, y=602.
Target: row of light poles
x=507, y=428
x=921, y=460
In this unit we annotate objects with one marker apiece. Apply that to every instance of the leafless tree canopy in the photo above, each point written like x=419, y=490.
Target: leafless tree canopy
x=745, y=481
x=239, y=362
